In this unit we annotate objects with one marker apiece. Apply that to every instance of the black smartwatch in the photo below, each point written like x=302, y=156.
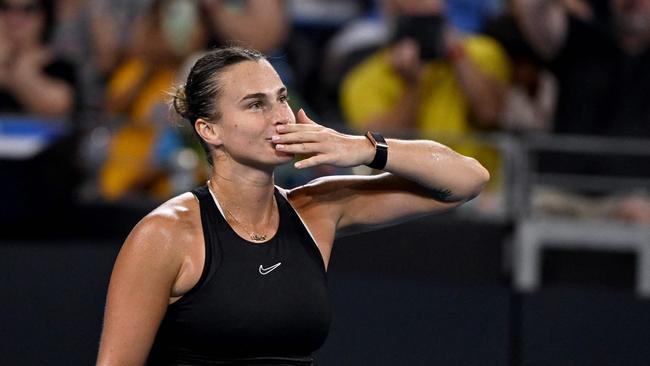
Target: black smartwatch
x=381, y=150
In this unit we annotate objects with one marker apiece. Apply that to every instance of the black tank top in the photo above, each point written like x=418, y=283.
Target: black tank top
x=254, y=304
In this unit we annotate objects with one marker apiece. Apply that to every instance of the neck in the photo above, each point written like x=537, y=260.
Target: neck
x=248, y=194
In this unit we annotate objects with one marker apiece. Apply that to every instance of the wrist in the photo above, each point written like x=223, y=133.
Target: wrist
x=367, y=150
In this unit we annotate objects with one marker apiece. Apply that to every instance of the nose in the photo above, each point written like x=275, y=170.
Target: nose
x=282, y=115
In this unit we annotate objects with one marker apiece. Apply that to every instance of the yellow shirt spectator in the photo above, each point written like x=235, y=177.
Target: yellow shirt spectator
x=129, y=163
x=373, y=89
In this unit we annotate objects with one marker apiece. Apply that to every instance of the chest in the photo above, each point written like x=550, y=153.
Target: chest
x=249, y=293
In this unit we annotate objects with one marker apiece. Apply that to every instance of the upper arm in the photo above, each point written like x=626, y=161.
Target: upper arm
x=544, y=23
x=355, y=202
x=139, y=292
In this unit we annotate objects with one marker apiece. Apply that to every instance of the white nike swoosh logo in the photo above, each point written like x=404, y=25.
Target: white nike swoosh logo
x=265, y=271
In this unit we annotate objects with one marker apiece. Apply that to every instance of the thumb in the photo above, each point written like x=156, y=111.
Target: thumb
x=302, y=118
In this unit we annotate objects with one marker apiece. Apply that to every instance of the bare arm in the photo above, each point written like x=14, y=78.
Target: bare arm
x=544, y=24
x=45, y=96
x=423, y=177
x=140, y=289
x=37, y=91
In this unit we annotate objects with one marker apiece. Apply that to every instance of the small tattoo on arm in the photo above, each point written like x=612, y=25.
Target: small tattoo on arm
x=443, y=195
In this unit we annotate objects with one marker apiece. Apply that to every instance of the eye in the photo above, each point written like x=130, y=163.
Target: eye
x=284, y=98
x=256, y=105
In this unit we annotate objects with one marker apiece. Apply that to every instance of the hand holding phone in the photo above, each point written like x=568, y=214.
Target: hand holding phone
x=426, y=30
x=405, y=60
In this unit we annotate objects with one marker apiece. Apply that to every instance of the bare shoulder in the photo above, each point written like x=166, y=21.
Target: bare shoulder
x=178, y=214
x=143, y=280
x=166, y=233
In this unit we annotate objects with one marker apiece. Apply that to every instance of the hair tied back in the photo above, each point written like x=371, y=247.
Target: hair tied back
x=180, y=101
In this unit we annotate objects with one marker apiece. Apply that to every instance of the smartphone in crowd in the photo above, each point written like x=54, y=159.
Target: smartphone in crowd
x=426, y=30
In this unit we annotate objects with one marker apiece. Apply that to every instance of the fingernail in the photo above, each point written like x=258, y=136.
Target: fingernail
x=298, y=165
x=280, y=128
x=275, y=138
x=279, y=146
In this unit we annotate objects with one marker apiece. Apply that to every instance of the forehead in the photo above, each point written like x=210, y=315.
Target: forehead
x=249, y=77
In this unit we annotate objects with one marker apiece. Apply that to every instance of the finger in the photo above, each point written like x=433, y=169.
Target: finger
x=295, y=127
x=299, y=148
x=295, y=137
x=310, y=162
x=302, y=118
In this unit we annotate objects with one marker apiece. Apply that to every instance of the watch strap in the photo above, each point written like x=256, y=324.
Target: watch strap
x=381, y=150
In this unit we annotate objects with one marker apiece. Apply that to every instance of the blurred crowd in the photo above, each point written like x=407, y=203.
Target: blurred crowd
x=453, y=71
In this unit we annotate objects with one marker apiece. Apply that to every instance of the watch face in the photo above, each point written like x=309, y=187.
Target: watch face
x=377, y=140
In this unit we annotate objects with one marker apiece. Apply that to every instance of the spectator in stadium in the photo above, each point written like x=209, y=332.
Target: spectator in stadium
x=430, y=80
x=531, y=97
x=452, y=84
x=32, y=79
x=603, y=72
x=140, y=153
x=603, y=68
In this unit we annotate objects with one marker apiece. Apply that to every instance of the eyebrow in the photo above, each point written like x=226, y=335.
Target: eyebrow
x=262, y=95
